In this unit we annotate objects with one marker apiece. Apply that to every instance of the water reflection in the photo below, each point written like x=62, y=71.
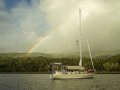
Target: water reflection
x=42, y=82
x=72, y=84
x=100, y=82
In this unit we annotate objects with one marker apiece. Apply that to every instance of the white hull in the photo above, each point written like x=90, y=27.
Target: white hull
x=72, y=76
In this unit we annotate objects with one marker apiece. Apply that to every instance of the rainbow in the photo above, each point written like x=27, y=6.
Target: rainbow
x=39, y=41
x=34, y=46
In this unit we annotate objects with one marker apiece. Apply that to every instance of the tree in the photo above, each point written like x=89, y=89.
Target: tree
x=107, y=66
x=115, y=66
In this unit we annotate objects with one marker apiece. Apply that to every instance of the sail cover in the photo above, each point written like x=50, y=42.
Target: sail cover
x=75, y=68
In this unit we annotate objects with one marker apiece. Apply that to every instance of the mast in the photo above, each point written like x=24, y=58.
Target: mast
x=80, y=29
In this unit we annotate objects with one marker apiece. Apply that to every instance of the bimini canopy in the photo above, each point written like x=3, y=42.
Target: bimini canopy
x=75, y=68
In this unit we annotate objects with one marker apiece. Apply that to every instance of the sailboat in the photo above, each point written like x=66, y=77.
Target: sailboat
x=60, y=71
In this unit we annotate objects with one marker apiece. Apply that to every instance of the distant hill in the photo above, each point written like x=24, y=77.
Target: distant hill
x=98, y=54
x=15, y=55
x=86, y=54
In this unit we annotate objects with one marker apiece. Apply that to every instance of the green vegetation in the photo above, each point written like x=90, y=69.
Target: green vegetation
x=42, y=63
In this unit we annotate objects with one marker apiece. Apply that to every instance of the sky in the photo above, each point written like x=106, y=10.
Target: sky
x=52, y=26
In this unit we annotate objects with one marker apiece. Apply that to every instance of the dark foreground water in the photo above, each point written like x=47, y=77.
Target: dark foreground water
x=42, y=82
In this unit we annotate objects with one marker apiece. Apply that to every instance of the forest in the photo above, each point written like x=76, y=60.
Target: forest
x=42, y=63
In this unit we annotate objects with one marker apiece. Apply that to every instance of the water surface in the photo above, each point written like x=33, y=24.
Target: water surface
x=42, y=82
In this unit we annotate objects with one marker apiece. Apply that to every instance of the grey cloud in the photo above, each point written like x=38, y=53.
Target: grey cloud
x=102, y=25
x=58, y=21
x=21, y=27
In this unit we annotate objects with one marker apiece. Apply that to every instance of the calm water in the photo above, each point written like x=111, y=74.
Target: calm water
x=42, y=82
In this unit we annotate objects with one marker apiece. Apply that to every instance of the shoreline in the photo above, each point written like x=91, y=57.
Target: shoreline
x=50, y=72
x=107, y=72
x=25, y=73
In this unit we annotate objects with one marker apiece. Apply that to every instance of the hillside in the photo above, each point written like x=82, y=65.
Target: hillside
x=41, y=62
